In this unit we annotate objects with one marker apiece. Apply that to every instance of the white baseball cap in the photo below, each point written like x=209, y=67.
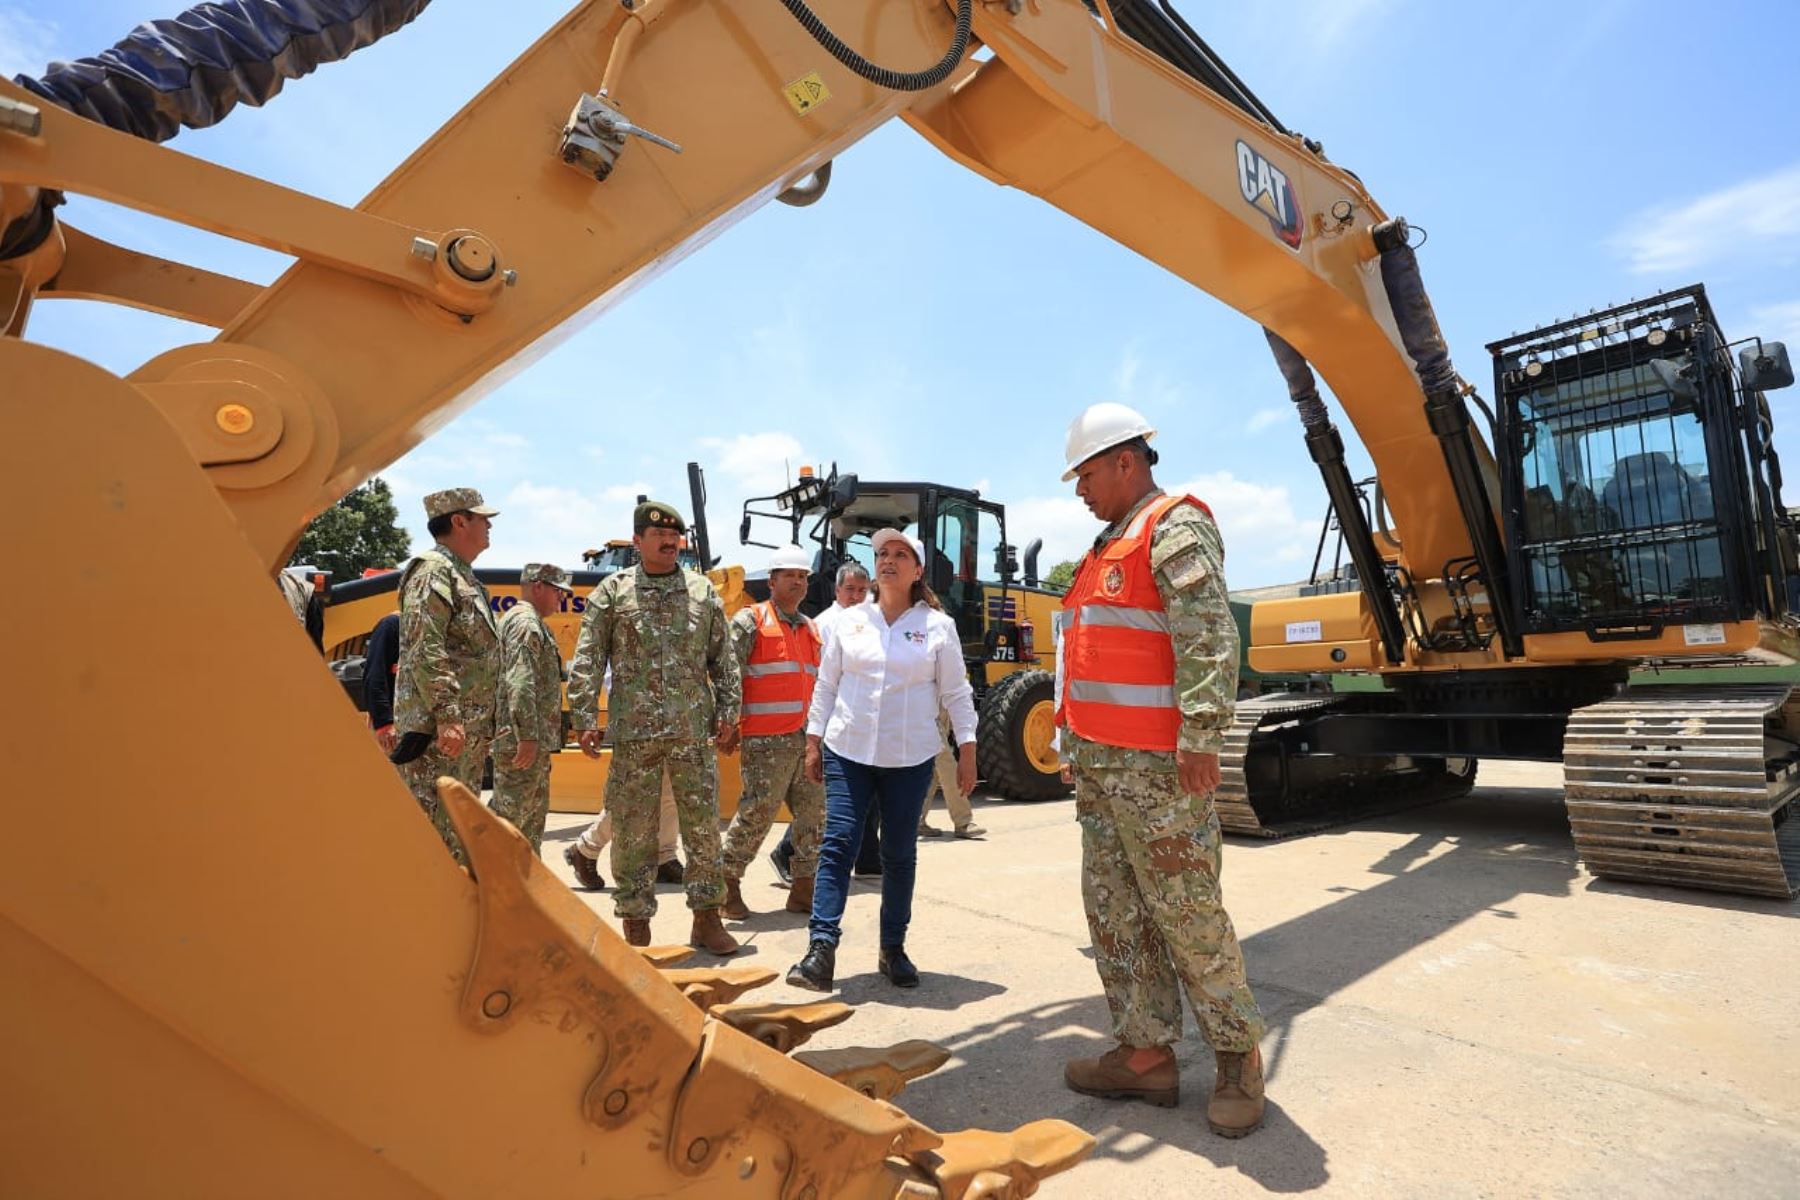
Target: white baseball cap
x=890, y=534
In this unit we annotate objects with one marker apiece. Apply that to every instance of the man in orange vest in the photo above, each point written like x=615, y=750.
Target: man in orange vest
x=1149, y=670
x=779, y=652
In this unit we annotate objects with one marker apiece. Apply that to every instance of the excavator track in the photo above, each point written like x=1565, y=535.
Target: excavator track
x=1262, y=796
x=1688, y=786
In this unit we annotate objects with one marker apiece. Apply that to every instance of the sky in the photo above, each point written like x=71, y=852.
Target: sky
x=922, y=323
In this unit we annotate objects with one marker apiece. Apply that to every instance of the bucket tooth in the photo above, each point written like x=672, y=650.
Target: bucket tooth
x=707, y=986
x=666, y=956
x=783, y=1026
x=878, y=1072
x=1003, y=1166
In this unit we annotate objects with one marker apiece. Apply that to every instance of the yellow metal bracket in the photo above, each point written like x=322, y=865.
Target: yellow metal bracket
x=459, y=270
x=98, y=270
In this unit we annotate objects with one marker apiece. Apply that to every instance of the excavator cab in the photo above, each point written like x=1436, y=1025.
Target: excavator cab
x=1640, y=488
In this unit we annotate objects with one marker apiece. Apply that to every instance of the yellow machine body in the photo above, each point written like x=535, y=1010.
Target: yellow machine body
x=238, y=959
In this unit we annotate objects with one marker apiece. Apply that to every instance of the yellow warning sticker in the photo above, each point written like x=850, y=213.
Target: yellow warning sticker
x=807, y=92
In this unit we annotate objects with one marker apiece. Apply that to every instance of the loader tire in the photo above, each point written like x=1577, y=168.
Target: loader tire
x=1012, y=748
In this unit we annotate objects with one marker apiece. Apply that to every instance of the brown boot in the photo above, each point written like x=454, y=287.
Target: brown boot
x=1236, y=1107
x=637, y=931
x=735, y=908
x=1110, y=1077
x=800, y=895
x=709, y=935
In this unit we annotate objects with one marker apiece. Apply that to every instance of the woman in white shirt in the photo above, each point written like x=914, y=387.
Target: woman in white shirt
x=871, y=736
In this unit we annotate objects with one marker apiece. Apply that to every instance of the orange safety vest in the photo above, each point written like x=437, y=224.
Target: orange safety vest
x=779, y=674
x=1117, y=658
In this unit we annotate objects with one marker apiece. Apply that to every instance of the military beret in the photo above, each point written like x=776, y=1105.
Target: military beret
x=548, y=573
x=654, y=514
x=455, y=500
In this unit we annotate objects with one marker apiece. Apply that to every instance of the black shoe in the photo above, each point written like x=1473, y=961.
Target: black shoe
x=782, y=856
x=873, y=872
x=586, y=873
x=669, y=872
x=897, y=967
x=814, y=972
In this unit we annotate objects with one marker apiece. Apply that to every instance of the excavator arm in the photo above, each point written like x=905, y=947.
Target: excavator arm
x=399, y=314
x=266, y=940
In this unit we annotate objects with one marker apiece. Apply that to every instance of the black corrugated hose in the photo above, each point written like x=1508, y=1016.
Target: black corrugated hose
x=899, y=81
x=193, y=69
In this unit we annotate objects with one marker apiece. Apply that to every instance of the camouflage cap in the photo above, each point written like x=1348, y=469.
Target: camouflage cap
x=654, y=514
x=455, y=500
x=548, y=573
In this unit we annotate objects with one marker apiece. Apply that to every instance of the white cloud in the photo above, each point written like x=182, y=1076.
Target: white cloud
x=1758, y=219
x=27, y=44
x=540, y=523
x=1778, y=323
x=1265, y=540
x=755, y=463
x=1265, y=418
x=1327, y=24
x=1141, y=385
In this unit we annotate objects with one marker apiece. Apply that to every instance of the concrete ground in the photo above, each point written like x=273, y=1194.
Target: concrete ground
x=1455, y=1009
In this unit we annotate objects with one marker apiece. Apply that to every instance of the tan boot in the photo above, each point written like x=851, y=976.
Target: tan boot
x=1110, y=1076
x=735, y=908
x=800, y=895
x=709, y=935
x=1236, y=1107
x=637, y=931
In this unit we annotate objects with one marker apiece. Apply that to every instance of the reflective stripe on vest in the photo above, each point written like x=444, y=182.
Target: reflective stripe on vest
x=1116, y=655
x=1126, y=695
x=1122, y=618
x=778, y=674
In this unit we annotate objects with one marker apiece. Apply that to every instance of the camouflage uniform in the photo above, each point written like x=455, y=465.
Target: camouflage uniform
x=449, y=670
x=530, y=710
x=772, y=774
x=1150, y=852
x=673, y=677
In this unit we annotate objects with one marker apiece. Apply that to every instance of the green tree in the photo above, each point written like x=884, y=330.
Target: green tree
x=360, y=531
x=1061, y=575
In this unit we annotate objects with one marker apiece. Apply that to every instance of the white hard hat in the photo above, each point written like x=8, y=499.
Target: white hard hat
x=790, y=558
x=1101, y=427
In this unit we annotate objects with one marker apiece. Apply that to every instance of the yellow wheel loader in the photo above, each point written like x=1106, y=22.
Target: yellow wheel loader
x=1006, y=619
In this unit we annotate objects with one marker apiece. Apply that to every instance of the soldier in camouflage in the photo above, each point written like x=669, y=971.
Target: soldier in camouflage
x=529, y=716
x=674, y=698
x=778, y=651
x=1148, y=671
x=449, y=655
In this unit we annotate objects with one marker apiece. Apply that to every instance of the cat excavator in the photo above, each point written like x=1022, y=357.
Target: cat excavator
x=238, y=958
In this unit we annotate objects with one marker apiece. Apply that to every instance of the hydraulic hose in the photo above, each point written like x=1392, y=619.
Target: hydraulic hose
x=1326, y=446
x=192, y=70
x=899, y=81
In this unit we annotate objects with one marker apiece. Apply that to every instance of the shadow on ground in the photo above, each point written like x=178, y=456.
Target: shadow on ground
x=1462, y=858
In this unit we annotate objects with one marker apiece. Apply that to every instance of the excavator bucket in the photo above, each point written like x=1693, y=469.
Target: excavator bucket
x=238, y=959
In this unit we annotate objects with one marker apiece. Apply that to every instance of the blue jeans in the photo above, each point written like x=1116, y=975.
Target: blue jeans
x=851, y=789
